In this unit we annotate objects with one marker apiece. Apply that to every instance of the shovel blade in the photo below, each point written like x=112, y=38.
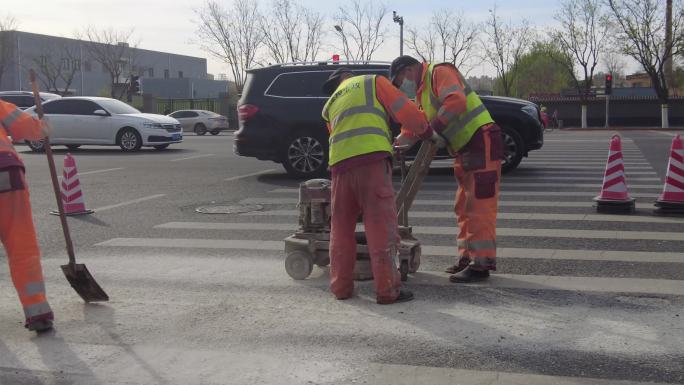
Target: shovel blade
x=83, y=282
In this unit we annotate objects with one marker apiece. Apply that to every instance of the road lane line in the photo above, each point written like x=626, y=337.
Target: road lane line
x=510, y=216
x=427, y=250
x=100, y=171
x=248, y=175
x=590, y=194
x=192, y=157
x=550, y=185
x=133, y=201
x=450, y=203
x=448, y=230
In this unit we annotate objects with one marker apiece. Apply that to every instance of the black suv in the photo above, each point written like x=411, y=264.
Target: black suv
x=24, y=99
x=280, y=117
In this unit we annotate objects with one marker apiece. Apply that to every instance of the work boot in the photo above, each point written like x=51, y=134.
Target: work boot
x=404, y=296
x=40, y=323
x=462, y=263
x=470, y=275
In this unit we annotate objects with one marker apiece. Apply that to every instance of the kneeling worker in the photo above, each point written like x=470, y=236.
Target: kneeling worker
x=358, y=114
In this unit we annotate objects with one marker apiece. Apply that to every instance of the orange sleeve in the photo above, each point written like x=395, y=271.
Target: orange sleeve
x=450, y=91
x=401, y=108
x=18, y=124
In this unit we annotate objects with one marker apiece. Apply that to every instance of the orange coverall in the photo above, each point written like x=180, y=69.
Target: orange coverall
x=477, y=168
x=363, y=184
x=17, y=231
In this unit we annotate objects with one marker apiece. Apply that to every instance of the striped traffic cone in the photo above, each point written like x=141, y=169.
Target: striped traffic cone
x=72, y=195
x=671, y=201
x=614, y=197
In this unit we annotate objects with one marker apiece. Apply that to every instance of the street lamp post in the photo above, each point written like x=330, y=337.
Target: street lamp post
x=345, y=47
x=399, y=20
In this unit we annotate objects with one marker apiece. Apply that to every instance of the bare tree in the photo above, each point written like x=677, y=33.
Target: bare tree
x=614, y=64
x=233, y=37
x=581, y=35
x=422, y=42
x=449, y=37
x=292, y=32
x=504, y=46
x=361, y=29
x=57, y=67
x=7, y=24
x=115, y=51
x=642, y=36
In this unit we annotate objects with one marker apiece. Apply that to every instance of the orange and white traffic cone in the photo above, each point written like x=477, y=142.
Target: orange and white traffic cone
x=671, y=201
x=614, y=197
x=72, y=195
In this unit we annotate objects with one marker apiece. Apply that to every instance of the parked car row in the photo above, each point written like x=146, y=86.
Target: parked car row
x=78, y=121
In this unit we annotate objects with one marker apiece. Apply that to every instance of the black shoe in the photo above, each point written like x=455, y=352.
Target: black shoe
x=404, y=296
x=40, y=326
x=469, y=276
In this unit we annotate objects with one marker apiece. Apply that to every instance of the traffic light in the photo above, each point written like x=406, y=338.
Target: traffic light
x=336, y=58
x=609, y=84
x=134, y=88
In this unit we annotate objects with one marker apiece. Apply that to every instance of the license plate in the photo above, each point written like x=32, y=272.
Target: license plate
x=176, y=137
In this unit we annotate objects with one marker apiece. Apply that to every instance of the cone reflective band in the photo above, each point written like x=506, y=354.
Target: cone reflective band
x=672, y=198
x=614, y=196
x=72, y=195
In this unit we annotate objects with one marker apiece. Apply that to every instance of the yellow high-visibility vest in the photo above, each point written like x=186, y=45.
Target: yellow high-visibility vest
x=462, y=127
x=357, y=119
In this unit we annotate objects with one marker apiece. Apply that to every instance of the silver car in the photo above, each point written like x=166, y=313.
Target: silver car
x=201, y=121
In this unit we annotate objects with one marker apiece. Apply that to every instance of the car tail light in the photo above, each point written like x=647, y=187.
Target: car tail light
x=247, y=111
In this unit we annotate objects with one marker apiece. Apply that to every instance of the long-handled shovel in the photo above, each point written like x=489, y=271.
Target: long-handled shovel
x=76, y=273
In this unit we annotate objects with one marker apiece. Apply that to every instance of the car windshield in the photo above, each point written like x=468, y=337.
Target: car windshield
x=117, y=107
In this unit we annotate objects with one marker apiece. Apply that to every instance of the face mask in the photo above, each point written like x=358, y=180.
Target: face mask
x=409, y=87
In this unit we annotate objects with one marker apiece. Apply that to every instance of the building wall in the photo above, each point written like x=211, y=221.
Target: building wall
x=185, y=88
x=91, y=79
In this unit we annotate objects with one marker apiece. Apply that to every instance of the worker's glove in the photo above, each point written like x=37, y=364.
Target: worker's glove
x=404, y=142
x=45, y=128
x=438, y=140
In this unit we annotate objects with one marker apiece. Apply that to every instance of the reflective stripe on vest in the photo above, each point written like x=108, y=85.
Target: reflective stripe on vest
x=460, y=128
x=358, y=121
x=9, y=119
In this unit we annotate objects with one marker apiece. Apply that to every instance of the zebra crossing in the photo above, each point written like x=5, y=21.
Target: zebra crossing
x=545, y=206
x=571, y=284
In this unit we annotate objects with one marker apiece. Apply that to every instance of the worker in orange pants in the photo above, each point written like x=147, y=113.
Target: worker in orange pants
x=358, y=115
x=17, y=232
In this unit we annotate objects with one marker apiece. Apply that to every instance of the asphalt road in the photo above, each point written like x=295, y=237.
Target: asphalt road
x=578, y=298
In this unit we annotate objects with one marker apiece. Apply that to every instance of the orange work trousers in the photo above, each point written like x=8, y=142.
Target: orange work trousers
x=477, y=168
x=18, y=235
x=366, y=189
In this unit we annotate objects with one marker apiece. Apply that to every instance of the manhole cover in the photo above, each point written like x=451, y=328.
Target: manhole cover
x=228, y=209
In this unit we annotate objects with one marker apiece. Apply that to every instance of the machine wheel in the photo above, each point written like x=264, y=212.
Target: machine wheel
x=298, y=265
x=415, y=262
x=404, y=270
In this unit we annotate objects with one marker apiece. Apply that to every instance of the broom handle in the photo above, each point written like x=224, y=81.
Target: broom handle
x=53, y=175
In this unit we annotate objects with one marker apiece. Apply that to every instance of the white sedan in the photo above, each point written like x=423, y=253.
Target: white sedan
x=80, y=121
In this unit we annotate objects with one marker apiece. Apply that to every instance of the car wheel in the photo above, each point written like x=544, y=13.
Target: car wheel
x=215, y=132
x=200, y=129
x=36, y=145
x=514, y=149
x=306, y=157
x=129, y=140
x=161, y=147
x=73, y=147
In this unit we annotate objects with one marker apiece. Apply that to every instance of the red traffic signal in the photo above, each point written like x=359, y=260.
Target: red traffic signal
x=609, y=84
x=336, y=58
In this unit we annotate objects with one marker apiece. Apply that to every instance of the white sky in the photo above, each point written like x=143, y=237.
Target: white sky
x=168, y=25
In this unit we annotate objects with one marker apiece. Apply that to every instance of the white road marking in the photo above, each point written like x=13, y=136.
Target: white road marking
x=504, y=183
x=133, y=201
x=450, y=203
x=447, y=230
x=192, y=157
x=668, y=133
x=428, y=250
x=512, y=216
x=557, y=178
x=248, y=175
x=100, y=171
x=504, y=193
